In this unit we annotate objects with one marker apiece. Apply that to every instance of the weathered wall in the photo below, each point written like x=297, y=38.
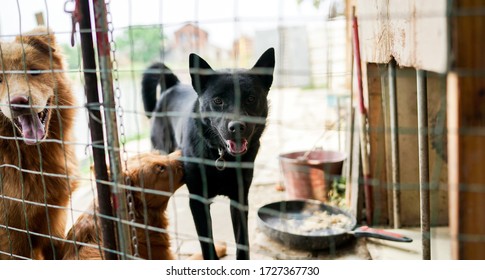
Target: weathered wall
x=414, y=32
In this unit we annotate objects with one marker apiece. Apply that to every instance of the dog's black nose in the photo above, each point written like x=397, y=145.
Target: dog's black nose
x=19, y=103
x=234, y=126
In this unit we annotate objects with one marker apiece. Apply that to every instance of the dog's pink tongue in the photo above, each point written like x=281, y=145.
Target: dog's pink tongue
x=235, y=148
x=32, y=128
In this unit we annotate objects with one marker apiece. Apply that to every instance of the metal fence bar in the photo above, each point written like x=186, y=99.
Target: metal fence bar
x=423, y=162
x=112, y=139
x=394, y=144
x=96, y=128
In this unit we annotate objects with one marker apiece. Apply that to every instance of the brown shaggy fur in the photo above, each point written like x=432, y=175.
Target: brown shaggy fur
x=33, y=172
x=148, y=171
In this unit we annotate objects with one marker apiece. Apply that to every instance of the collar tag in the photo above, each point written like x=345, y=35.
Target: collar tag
x=220, y=162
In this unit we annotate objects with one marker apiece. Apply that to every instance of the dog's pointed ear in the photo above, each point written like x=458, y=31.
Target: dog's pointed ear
x=264, y=67
x=200, y=72
x=41, y=38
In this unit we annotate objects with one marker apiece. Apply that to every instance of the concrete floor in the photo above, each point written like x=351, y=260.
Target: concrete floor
x=264, y=248
x=184, y=237
x=387, y=250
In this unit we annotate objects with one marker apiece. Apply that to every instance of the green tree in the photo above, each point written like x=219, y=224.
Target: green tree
x=142, y=44
x=316, y=3
x=72, y=56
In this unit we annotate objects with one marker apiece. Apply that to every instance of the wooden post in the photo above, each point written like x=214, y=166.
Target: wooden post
x=373, y=74
x=466, y=130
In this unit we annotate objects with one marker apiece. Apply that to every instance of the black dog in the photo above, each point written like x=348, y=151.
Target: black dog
x=217, y=123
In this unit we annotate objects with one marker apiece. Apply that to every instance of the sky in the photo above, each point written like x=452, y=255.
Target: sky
x=225, y=20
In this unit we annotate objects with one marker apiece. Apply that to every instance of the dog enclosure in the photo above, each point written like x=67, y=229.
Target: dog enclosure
x=402, y=104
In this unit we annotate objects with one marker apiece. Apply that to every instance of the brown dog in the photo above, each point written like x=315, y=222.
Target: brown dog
x=149, y=171
x=36, y=160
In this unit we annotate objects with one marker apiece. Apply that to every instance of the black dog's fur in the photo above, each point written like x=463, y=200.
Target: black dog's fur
x=222, y=116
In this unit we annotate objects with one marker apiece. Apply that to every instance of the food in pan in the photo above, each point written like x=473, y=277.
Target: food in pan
x=315, y=222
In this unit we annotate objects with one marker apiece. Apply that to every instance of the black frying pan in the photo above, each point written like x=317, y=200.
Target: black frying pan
x=274, y=220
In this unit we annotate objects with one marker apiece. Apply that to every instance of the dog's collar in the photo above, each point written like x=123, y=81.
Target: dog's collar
x=220, y=162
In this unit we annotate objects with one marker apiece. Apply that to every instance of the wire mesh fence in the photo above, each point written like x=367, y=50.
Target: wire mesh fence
x=117, y=144
x=95, y=147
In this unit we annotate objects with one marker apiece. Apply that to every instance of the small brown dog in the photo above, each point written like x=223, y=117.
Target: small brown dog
x=37, y=161
x=149, y=171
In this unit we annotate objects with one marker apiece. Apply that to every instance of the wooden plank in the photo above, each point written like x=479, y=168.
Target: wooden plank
x=355, y=192
x=380, y=144
x=377, y=152
x=466, y=131
x=408, y=149
x=408, y=146
x=466, y=154
x=438, y=149
x=387, y=137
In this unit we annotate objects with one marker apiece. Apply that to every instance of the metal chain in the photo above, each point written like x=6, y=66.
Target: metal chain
x=131, y=214
x=121, y=128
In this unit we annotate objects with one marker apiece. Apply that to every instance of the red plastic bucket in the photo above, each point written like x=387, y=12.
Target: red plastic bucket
x=310, y=177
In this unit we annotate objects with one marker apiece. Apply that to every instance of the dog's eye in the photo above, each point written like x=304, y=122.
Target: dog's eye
x=218, y=101
x=161, y=168
x=250, y=99
x=34, y=72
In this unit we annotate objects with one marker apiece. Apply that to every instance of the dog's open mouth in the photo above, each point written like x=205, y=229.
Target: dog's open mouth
x=33, y=126
x=237, y=147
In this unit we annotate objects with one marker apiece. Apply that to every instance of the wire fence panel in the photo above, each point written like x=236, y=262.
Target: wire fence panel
x=230, y=129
